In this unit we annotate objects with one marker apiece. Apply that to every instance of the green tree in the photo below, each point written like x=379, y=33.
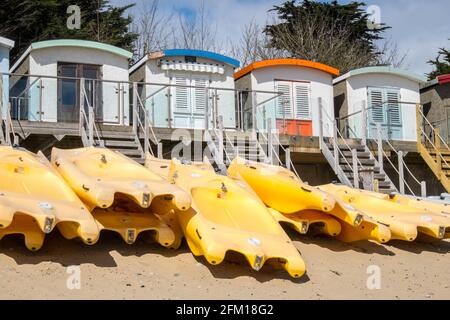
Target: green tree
x=337, y=34
x=441, y=64
x=27, y=21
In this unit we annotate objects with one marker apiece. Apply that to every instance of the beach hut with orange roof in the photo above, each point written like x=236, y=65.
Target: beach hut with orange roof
x=299, y=84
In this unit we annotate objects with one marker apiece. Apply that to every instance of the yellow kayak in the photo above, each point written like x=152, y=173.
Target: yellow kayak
x=282, y=191
x=428, y=210
x=226, y=218
x=34, y=199
x=404, y=220
x=123, y=196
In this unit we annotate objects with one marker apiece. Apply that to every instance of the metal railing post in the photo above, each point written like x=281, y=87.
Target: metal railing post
x=135, y=108
x=437, y=143
x=7, y=124
x=288, y=158
x=169, y=107
x=208, y=107
x=365, y=127
x=423, y=189
x=254, y=104
x=220, y=138
x=401, y=175
x=160, y=150
x=2, y=137
x=81, y=102
x=355, y=168
x=320, y=124
x=380, y=147
x=269, y=141
x=40, y=99
x=146, y=131
x=91, y=126
x=335, y=148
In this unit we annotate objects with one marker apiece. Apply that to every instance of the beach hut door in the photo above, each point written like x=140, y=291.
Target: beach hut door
x=190, y=102
x=384, y=109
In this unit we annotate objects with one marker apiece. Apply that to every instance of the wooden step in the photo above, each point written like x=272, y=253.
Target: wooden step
x=359, y=148
x=120, y=143
x=364, y=162
x=360, y=155
x=349, y=168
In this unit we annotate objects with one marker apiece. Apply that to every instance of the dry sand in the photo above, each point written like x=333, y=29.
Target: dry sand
x=113, y=270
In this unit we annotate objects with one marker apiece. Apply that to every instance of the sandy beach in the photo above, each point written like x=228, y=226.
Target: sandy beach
x=114, y=270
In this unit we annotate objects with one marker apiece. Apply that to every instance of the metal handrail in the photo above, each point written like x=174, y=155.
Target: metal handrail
x=397, y=171
x=407, y=168
x=432, y=144
x=141, y=107
x=137, y=82
x=335, y=127
x=91, y=118
x=434, y=130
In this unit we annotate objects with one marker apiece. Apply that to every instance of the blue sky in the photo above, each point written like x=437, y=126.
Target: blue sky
x=420, y=27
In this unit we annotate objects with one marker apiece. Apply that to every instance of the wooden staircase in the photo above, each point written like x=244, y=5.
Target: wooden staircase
x=364, y=161
x=433, y=149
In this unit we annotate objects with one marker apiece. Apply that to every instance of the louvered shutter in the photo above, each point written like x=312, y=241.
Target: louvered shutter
x=376, y=111
x=393, y=107
x=199, y=95
x=302, y=102
x=182, y=97
x=284, y=102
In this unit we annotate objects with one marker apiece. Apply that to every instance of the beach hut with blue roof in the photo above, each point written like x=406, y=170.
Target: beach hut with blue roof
x=184, y=88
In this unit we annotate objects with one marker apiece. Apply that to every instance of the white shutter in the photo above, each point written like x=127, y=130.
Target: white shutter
x=199, y=95
x=376, y=106
x=393, y=104
x=284, y=102
x=182, y=103
x=302, y=102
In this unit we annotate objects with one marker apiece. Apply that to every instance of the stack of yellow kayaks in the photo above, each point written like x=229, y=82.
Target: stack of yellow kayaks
x=122, y=195
x=34, y=199
x=226, y=218
x=406, y=217
x=300, y=205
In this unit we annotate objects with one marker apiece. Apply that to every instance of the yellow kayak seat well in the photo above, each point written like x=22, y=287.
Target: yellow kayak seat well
x=404, y=221
x=34, y=199
x=309, y=222
x=226, y=218
x=123, y=196
x=284, y=192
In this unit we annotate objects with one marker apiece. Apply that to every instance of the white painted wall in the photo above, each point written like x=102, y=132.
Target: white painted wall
x=114, y=68
x=321, y=86
x=159, y=106
x=4, y=68
x=357, y=96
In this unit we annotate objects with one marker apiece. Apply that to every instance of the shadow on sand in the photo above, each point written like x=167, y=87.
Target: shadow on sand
x=73, y=252
x=367, y=247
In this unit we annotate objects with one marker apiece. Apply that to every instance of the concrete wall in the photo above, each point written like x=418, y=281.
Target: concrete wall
x=357, y=96
x=436, y=104
x=321, y=86
x=159, y=103
x=113, y=67
x=4, y=68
